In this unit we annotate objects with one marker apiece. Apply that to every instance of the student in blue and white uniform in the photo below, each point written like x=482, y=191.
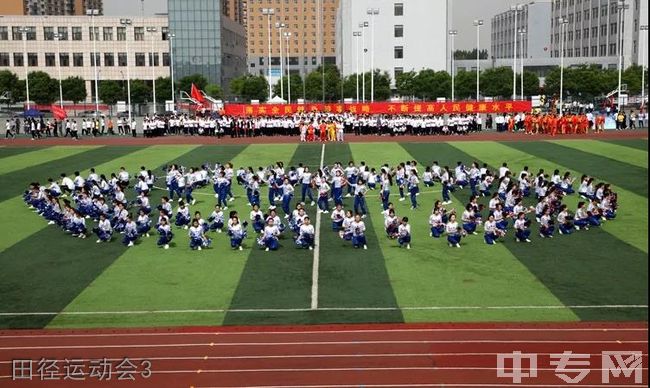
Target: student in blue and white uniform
x=141, y=186
x=447, y=186
x=346, y=226
x=454, y=232
x=404, y=234
x=130, y=232
x=546, y=228
x=190, y=184
x=287, y=196
x=567, y=183
x=165, y=232
x=237, y=233
x=183, y=215
x=257, y=219
x=198, y=239
x=607, y=206
x=104, y=230
x=564, y=221
x=461, y=176
x=427, y=177
x=469, y=221
x=143, y=224
x=337, y=217
x=522, y=232
x=492, y=233
x=216, y=219
x=358, y=228
x=306, y=184
x=500, y=217
x=391, y=223
x=436, y=224
x=413, y=187
x=323, y=196
x=306, y=235
x=55, y=189
x=360, y=191
x=351, y=175
x=593, y=209
x=474, y=174
x=386, y=183
x=338, y=181
x=119, y=217
x=143, y=202
x=400, y=180
x=269, y=238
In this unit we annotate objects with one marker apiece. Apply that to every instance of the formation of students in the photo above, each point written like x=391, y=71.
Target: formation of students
x=71, y=201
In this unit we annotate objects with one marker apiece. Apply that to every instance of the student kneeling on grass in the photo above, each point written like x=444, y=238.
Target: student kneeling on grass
x=404, y=233
x=165, y=232
x=237, y=233
x=306, y=234
x=492, y=233
x=522, y=232
x=198, y=239
x=130, y=232
x=269, y=239
x=358, y=228
x=104, y=230
x=454, y=232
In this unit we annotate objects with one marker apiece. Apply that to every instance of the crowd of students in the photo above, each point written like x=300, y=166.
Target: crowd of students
x=72, y=201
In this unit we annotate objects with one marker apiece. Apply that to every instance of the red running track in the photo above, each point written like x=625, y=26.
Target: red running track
x=451, y=355
x=200, y=140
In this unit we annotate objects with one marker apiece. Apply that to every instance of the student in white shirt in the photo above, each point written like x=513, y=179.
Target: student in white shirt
x=306, y=234
x=404, y=233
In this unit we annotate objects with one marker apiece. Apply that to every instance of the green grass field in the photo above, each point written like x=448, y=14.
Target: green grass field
x=49, y=279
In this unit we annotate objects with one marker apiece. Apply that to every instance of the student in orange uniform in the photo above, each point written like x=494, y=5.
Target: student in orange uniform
x=528, y=124
x=310, y=132
x=323, y=131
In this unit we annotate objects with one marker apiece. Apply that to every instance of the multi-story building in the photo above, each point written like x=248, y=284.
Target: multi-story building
x=408, y=35
x=207, y=41
x=66, y=43
x=312, y=25
x=596, y=28
x=49, y=7
x=233, y=9
x=532, y=31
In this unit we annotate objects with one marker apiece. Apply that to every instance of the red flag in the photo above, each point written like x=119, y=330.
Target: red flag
x=59, y=113
x=197, y=95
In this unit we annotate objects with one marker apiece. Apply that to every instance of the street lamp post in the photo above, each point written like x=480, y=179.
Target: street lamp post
x=126, y=23
x=23, y=31
x=478, y=23
x=516, y=9
x=644, y=29
x=522, y=34
x=452, y=35
x=171, y=68
x=563, y=22
x=58, y=37
x=280, y=27
x=363, y=60
x=372, y=12
x=621, y=7
x=92, y=13
x=357, y=35
x=287, y=36
x=153, y=31
x=268, y=12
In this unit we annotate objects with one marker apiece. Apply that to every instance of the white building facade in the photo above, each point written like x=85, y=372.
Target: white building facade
x=409, y=35
x=534, y=19
x=72, y=52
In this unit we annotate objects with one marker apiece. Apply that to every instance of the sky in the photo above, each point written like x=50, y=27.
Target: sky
x=464, y=11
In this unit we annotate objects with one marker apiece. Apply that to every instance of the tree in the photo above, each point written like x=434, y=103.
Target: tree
x=9, y=83
x=405, y=83
x=467, y=54
x=214, y=91
x=140, y=91
x=531, y=84
x=582, y=83
x=74, y=89
x=163, y=88
x=42, y=88
x=110, y=92
x=632, y=78
x=185, y=83
x=497, y=82
x=332, y=85
x=250, y=87
x=382, y=86
x=296, y=87
x=465, y=85
x=430, y=84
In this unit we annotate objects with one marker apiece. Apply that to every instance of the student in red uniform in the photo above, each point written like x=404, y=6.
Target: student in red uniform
x=323, y=131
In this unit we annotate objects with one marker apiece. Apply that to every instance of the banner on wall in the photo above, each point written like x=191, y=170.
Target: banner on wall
x=464, y=107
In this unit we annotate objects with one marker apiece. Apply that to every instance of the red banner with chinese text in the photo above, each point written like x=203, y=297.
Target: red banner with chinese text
x=464, y=107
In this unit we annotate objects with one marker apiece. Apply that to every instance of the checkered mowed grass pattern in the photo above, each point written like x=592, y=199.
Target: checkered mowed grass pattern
x=44, y=270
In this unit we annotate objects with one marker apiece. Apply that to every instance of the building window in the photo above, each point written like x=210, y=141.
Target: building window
x=95, y=57
x=594, y=51
x=31, y=33
x=4, y=33
x=398, y=71
x=140, y=59
x=166, y=60
x=154, y=59
x=76, y=33
x=93, y=33
x=48, y=33
x=165, y=33
x=109, y=59
x=399, y=9
x=121, y=33
x=399, y=31
x=16, y=34
x=63, y=33
x=585, y=51
x=121, y=59
x=32, y=59
x=399, y=52
x=64, y=60
x=262, y=61
x=19, y=60
x=108, y=33
x=50, y=60
x=4, y=59
x=612, y=49
x=138, y=33
x=78, y=59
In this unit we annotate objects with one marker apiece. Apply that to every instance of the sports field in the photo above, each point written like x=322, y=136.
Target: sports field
x=50, y=279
